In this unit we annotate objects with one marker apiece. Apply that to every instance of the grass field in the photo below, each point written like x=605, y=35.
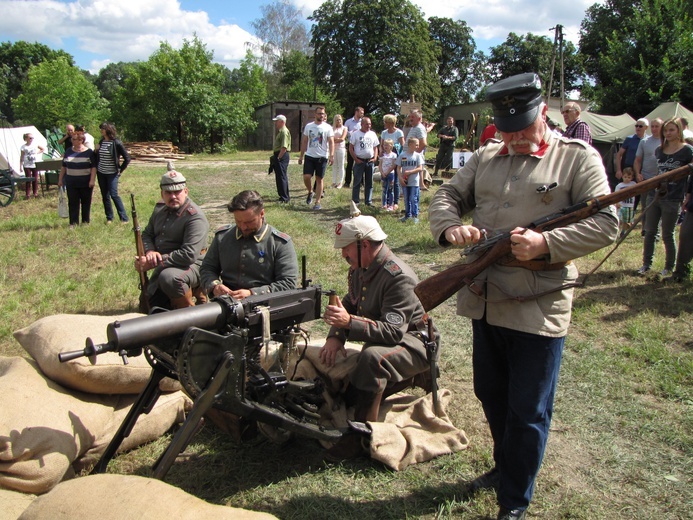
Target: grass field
x=622, y=439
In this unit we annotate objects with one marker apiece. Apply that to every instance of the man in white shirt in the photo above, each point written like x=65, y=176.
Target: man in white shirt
x=317, y=145
x=363, y=148
x=352, y=124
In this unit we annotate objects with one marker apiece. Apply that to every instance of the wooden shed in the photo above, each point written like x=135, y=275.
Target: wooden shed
x=298, y=114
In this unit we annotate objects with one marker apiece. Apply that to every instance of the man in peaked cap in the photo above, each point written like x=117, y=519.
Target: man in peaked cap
x=174, y=242
x=382, y=311
x=520, y=309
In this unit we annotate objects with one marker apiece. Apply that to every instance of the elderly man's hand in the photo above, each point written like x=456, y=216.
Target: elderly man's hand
x=337, y=315
x=329, y=351
x=527, y=244
x=462, y=235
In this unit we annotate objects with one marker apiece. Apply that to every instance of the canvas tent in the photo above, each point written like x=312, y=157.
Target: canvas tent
x=11, y=141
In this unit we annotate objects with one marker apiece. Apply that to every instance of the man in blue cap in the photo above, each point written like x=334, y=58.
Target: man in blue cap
x=521, y=312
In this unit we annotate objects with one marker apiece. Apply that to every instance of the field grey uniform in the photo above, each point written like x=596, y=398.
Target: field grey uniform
x=384, y=311
x=263, y=263
x=180, y=236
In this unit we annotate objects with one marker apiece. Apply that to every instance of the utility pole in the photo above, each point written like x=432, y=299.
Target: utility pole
x=557, y=44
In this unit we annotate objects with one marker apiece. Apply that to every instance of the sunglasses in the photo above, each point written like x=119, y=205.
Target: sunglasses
x=639, y=126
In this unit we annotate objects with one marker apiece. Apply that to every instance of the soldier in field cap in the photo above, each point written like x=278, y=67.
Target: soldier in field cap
x=174, y=242
x=520, y=308
x=382, y=311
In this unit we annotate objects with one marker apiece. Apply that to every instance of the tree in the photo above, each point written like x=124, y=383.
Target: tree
x=16, y=59
x=532, y=53
x=56, y=93
x=249, y=77
x=644, y=61
x=181, y=96
x=111, y=78
x=281, y=29
x=374, y=54
x=460, y=67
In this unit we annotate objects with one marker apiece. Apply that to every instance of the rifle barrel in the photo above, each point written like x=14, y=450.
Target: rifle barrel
x=436, y=289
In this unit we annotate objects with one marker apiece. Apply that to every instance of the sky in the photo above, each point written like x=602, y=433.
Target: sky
x=99, y=32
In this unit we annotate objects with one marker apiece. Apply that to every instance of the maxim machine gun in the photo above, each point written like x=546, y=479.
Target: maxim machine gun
x=214, y=351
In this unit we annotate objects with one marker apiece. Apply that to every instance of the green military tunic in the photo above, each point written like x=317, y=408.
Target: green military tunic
x=263, y=263
x=384, y=314
x=180, y=236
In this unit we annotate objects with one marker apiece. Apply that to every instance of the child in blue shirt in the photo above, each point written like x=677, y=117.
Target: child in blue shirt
x=411, y=165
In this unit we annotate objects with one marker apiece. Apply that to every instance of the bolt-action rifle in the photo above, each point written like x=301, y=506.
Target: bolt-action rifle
x=139, y=245
x=435, y=290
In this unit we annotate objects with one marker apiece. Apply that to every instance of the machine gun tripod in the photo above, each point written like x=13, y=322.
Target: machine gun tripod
x=213, y=350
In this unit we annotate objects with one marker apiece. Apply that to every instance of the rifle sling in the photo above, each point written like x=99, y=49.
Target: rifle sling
x=537, y=264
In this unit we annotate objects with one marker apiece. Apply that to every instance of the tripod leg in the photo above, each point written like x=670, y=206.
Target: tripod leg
x=145, y=402
x=203, y=403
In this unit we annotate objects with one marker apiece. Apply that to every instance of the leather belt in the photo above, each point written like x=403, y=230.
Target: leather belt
x=533, y=265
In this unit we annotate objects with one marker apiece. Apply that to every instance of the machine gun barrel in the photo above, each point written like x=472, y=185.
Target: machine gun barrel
x=286, y=308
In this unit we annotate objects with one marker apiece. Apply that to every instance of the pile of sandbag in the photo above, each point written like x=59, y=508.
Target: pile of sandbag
x=58, y=418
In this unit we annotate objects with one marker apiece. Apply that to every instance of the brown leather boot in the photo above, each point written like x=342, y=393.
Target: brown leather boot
x=350, y=445
x=183, y=301
x=200, y=296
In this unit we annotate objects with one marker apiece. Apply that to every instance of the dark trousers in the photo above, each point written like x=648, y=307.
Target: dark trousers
x=31, y=173
x=515, y=378
x=78, y=197
x=685, y=251
x=281, y=168
x=363, y=172
x=349, y=169
x=108, y=184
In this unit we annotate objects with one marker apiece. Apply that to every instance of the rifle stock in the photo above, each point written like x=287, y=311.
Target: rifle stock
x=436, y=289
x=139, y=245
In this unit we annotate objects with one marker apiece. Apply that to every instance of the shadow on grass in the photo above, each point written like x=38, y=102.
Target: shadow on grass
x=634, y=294
x=226, y=472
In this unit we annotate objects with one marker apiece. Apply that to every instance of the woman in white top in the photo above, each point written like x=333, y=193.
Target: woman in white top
x=29, y=154
x=340, y=135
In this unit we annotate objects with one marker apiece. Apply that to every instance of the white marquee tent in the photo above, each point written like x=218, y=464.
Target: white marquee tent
x=10, y=142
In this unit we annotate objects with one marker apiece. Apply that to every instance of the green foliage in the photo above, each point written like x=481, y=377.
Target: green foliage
x=57, y=93
x=532, y=53
x=645, y=59
x=375, y=55
x=460, y=67
x=183, y=97
x=111, y=78
x=249, y=77
x=15, y=61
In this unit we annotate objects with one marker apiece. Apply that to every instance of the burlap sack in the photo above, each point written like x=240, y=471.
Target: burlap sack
x=128, y=497
x=46, y=429
x=13, y=504
x=105, y=374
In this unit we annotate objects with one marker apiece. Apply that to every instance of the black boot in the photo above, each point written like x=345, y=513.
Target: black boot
x=350, y=446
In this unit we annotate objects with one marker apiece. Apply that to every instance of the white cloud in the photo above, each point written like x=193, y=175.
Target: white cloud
x=131, y=30
x=126, y=30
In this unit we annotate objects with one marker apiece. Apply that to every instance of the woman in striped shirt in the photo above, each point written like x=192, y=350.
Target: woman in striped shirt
x=108, y=170
x=78, y=176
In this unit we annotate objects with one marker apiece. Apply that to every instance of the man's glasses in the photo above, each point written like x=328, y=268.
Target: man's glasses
x=566, y=111
x=639, y=126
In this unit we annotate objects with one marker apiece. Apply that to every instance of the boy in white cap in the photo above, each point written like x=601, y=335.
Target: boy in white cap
x=380, y=310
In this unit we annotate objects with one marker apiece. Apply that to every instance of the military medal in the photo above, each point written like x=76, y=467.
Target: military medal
x=546, y=190
x=261, y=254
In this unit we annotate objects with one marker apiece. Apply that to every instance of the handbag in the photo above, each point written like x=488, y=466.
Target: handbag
x=62, y=203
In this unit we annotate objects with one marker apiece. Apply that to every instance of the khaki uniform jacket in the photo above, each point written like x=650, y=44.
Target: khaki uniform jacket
x=500, y=192
x=180, y=236
x=263, y=263
x=383, y=305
